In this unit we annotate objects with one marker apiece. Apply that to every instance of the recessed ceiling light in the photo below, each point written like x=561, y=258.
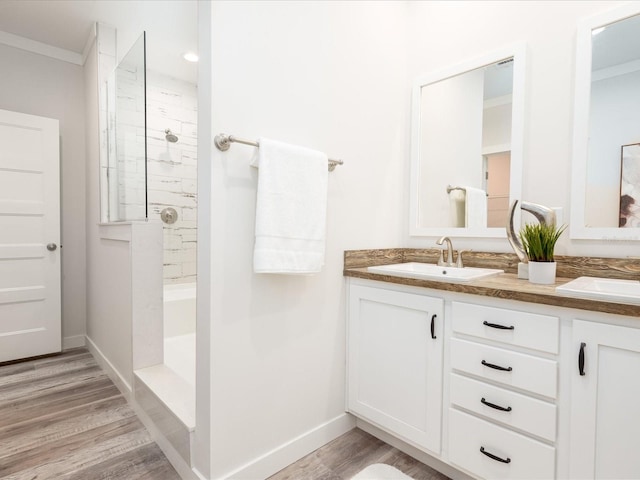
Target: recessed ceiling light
x=596, y=31
x=190, y=57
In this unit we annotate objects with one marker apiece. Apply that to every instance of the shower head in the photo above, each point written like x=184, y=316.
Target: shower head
x=170, y=136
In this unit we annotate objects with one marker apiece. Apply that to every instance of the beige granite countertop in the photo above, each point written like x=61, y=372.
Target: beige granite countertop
x=505, y=286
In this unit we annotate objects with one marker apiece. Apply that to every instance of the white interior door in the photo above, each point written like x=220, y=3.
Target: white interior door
x=29, y=236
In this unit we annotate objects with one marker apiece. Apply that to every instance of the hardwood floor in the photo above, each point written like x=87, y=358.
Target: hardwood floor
x=61, y=417
x=349, y=454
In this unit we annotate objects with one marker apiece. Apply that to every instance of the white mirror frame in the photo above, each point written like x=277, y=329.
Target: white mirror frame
x=581, y=102
x=518, y=51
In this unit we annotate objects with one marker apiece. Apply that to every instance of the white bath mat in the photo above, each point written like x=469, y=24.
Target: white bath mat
x=380, y=471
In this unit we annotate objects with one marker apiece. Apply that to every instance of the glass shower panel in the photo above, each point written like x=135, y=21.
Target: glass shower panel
x=127, y=139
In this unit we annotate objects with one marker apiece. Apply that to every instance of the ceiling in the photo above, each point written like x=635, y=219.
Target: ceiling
x=498, y=79
x=617, y=44
x=171, y=27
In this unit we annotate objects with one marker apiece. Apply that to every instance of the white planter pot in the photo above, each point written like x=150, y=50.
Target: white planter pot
x=543, y=273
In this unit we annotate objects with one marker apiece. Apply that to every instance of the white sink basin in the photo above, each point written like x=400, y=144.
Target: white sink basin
x=607, y=289
x=429, y=271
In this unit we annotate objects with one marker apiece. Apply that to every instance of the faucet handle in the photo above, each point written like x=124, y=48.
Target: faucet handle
x=459, y=259
x=441, y=259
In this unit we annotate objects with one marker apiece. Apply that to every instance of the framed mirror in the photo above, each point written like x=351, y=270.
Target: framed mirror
x=466, y=146
x=605, y=193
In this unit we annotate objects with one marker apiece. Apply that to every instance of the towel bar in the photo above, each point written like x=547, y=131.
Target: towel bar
x=223, y=143
x=450, y=188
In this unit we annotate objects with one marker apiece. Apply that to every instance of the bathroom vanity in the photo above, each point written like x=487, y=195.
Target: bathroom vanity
x=496, y=377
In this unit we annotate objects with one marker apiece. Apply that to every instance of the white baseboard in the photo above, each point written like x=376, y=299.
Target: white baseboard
x=412, y=451
x=198, y=475
x=110, y=370
x=75, y=341
x=286, y=454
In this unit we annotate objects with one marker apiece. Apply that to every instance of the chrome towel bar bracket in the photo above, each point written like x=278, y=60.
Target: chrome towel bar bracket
x=450, y=189
x=223, y=143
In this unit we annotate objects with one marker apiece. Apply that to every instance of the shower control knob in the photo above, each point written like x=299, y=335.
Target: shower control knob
x=169, y=215
x=52, y=247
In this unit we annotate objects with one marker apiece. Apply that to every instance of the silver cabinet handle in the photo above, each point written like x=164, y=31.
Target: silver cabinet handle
x=52, y=247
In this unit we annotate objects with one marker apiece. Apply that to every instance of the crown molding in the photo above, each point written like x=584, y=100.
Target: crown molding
x=40, y=48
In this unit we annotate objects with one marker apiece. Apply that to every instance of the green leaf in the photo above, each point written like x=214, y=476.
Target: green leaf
x=539, y=241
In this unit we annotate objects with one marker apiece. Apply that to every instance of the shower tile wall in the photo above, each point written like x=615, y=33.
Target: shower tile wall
x=171, y=170
x=126, y=175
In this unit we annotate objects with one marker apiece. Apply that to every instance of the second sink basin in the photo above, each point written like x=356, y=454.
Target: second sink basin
x=429, y=271
x=607, y=289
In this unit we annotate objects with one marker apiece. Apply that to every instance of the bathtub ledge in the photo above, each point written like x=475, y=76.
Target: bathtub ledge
x=173, y=391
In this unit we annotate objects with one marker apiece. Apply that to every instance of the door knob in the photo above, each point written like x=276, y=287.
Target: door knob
x=51, y=247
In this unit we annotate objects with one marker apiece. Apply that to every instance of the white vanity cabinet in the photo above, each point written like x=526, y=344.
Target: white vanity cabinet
x=605, y=401
x=503, y=391
x=395, y=345
x=517, y=390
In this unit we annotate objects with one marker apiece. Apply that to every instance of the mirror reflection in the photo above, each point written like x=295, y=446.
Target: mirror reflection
x=463, y=151
x=612, y=194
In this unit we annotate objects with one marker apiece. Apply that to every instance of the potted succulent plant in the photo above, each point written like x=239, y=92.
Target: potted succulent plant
x=538, y=242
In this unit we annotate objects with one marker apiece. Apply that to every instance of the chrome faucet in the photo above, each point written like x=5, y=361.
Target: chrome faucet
x=459, y=258
x=449, y=262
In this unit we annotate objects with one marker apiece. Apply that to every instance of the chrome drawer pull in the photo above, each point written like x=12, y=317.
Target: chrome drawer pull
x=493, y=405
x=494, y=457
x=499, y=327
x=496, y=367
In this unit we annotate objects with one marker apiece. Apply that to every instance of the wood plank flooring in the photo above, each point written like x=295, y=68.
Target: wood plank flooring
x=61, y=417
x=350, y=453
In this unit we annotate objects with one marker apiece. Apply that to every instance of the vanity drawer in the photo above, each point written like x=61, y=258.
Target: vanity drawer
x=530, y=330
x=525, y=413
x=518, y=370
x=527, y=458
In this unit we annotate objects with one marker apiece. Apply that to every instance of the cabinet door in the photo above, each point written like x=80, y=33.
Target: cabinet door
x=395, y=362
x=605, y=422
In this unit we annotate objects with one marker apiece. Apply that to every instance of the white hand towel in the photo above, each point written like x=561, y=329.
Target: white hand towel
x=457, y=211
x=476, y=207
x=291, y=209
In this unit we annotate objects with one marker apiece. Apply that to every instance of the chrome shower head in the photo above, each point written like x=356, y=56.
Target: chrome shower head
x=170, y=136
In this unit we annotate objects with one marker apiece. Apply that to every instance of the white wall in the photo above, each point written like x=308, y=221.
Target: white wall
x=40, y=85
x=496, y=125
x=108, y=279
x=450, y=144
x=614, y=122
x=329, y=76
x=445, y=33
